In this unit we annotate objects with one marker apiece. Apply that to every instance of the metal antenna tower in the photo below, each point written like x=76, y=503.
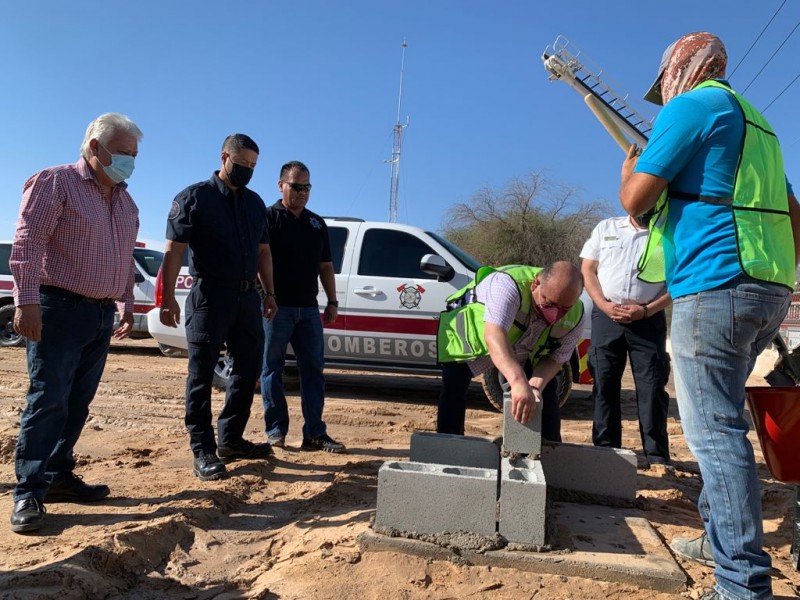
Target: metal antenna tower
x=397, y=143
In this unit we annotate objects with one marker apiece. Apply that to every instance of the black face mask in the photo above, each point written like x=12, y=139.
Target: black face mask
x=239, y=175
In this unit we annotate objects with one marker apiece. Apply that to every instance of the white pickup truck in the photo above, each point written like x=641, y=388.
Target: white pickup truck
x=391, y=283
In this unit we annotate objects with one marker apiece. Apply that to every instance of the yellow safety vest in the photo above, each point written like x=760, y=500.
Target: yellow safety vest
x=759, y=207
x=461, y=328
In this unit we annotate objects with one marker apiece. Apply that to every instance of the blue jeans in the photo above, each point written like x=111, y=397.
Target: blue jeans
x=302, y=326
x=716, y=337
x=64, y=368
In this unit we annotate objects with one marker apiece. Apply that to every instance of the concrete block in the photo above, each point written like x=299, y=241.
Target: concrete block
x=606, y=472
x=518, y=438
x=455, y=450
x=429, y=498
x=523, y=501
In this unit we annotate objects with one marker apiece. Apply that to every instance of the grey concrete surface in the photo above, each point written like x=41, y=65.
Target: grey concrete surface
x=429, y=498
x=458, y=450
x=596, y=542
x=523, y=501
x=519, y=438
x=606, y=472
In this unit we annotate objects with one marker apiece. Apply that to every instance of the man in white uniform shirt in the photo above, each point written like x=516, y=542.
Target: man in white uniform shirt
x=627, y=320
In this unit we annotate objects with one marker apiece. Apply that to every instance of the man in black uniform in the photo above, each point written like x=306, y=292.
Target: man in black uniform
x=224, y=225
x=302, y=256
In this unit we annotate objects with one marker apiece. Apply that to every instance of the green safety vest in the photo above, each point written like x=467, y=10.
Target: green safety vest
x=759, y=207
x=461, y=327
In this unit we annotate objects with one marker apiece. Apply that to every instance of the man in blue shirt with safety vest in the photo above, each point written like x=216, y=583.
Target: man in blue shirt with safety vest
x=523, y=320
x=730, y=229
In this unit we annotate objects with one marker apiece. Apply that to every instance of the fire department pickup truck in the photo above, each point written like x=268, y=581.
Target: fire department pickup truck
x=391, y=283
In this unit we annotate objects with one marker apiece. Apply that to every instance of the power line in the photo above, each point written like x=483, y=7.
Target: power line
x=784, y=147
x=781, y=94
x=786, y=39
x=756, y=40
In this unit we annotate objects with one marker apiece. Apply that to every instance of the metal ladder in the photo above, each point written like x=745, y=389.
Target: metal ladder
x=561, y=59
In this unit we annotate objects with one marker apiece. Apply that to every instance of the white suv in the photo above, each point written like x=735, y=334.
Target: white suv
x=391, y=283
x=146, y=261
x=8, y=337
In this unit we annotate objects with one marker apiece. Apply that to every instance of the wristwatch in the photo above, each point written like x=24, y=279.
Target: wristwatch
x=333, y=303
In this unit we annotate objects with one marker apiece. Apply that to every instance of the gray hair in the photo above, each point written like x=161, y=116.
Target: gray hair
x=564, y=271
x=105, y=127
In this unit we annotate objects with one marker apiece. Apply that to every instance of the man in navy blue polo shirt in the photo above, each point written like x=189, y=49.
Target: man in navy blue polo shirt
x=224, y=225
x=302, y=257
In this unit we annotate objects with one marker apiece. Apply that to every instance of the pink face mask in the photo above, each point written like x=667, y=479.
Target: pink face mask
x=551, y=313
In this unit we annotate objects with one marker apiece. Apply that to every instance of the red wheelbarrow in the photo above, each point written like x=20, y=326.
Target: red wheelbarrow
x=776, y=416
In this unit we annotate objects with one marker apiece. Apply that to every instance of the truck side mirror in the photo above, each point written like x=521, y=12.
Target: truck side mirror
x=433, y=264
x=138, y=277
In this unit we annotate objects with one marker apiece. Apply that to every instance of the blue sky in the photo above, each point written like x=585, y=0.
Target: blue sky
x=317, y=81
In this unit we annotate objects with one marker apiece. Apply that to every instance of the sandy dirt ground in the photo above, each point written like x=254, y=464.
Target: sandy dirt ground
x=286, y=528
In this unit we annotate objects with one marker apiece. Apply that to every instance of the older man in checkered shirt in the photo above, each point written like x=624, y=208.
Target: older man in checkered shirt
x=72, y=262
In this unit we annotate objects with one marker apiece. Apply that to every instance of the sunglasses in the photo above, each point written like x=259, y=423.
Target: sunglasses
x=299, y=187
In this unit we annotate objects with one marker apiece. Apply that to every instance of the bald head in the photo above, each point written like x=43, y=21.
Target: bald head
x=561, y=283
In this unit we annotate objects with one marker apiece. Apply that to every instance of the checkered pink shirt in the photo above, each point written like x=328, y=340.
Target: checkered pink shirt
x=70, y=236
x=500, y=295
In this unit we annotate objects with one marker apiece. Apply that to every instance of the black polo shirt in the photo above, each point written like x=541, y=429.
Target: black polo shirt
x=299, y=245
x=223, y=229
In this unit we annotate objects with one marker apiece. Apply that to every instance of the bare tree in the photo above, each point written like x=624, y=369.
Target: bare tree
x=532, y=221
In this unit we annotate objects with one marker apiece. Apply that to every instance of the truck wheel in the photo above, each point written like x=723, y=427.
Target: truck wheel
x=8, y=336
x=222, y=371
x=495, y=385
x=564, y=379
x=172, y=351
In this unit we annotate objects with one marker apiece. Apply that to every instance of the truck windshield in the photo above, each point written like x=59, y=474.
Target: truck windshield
x=5, y=256
x=149, y=260
x=469, y=262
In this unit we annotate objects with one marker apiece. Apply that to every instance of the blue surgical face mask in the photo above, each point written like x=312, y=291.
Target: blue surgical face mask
x=121, y=166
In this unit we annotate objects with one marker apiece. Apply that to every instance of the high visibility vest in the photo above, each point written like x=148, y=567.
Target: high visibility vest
x=461, y=328
x=759, y=206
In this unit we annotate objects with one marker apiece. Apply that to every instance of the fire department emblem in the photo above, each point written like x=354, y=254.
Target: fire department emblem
x=410, y=295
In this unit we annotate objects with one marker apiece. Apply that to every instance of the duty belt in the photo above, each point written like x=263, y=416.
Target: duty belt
x=243, y=285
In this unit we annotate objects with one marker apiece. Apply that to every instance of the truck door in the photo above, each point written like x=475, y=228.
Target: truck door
x=392, y=306
x=341, y=235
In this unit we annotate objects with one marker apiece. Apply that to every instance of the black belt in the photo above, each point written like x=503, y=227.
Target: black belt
x=243, y=285
x=57, y=290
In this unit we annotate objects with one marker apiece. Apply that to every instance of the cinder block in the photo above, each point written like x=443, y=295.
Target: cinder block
x=523, y=501
x=429, y=498
x=588, y=469
x=519, y=438
x=456, y=450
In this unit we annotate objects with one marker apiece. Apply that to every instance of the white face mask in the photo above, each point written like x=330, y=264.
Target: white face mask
x=121, y=167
